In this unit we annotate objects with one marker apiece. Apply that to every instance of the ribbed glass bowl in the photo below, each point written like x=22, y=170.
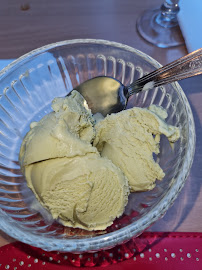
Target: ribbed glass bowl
x=28, y=86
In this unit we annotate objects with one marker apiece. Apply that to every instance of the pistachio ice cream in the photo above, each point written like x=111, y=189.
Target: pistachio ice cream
x=82, y=168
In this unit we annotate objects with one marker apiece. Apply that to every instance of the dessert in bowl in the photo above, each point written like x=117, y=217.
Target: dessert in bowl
x=29, y=86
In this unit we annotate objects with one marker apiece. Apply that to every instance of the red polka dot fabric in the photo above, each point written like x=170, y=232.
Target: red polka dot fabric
x=149, y=251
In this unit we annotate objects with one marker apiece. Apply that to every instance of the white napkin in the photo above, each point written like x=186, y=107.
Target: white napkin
x=190, y=21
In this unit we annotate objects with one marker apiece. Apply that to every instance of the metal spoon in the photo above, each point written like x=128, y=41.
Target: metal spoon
x=107, y=95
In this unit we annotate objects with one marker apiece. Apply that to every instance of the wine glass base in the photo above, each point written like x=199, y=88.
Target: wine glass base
x=162, y=36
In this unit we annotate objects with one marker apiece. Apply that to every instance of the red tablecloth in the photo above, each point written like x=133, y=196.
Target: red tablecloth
x=148, y=251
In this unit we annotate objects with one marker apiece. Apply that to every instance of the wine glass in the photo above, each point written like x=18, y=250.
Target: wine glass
x=160, y=26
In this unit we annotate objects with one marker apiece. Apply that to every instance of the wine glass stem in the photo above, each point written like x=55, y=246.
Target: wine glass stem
x=167, y=16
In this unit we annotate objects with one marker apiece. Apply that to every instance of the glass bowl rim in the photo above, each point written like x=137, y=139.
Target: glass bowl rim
x=134, y=229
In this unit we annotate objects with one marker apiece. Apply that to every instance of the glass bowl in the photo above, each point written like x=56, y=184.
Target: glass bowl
x=28, y=86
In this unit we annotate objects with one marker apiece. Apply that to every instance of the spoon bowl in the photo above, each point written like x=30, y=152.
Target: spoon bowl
x=104, y=95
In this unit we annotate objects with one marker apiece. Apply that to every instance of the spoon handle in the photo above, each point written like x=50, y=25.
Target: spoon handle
x=184, y=67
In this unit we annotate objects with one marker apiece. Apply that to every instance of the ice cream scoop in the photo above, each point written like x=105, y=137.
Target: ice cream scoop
x=130, y=138
x=107, y=95
x=86, y=192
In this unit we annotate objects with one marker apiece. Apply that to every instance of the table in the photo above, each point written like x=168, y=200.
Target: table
x=29, y=24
